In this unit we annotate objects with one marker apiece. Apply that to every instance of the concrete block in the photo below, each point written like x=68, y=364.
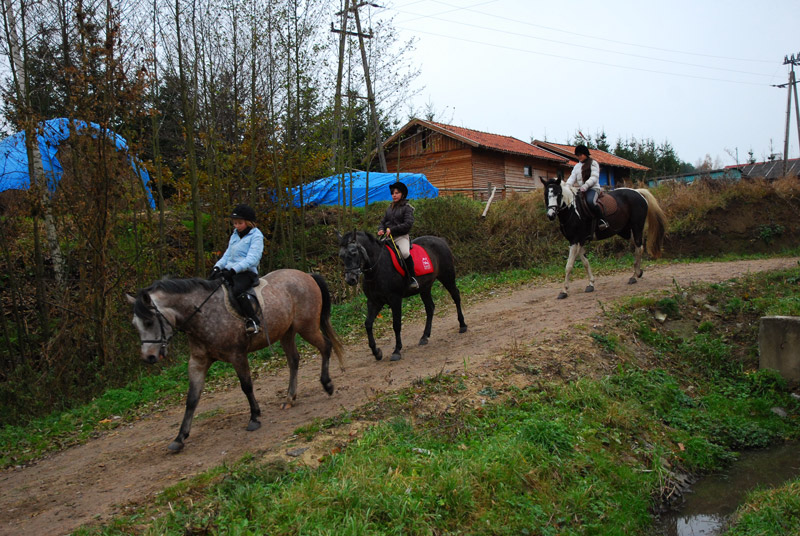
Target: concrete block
x=779, y=345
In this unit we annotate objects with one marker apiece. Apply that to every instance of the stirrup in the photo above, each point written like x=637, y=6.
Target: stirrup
x=602, y=225
x=251, y=327
x=413, y=284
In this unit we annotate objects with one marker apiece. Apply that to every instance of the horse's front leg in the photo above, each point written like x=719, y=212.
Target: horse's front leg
x=585, y=261
x=397, y=323
x=573, y=253
x=198, y=367
x=638, y=253
x=372, y=312
x=427, y=299
x=242, y=368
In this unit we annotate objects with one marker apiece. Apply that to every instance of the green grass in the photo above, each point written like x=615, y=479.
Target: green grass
x=766, y=512
x=583, y=458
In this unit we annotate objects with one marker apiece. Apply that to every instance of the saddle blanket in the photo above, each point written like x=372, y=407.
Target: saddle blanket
x=422, y=261
x=253, y=291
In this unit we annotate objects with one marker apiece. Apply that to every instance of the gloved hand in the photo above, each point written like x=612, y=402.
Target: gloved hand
x=216, y=273
x=228, y=274
x=584, y=188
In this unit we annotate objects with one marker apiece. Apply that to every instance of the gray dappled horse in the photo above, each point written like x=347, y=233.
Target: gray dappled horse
x=363, y=254
x=294, y=303
x=634, y=208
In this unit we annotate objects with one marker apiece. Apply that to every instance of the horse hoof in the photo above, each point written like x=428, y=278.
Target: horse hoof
x=175, y=446
x=423, y=341
x=286, y=405
x=462, y=329
x=252, y=426
x=561, y=295
x=641, y=273
x=378, y=354
x=590, y=288
x=632, y=281
x=328, y=387
x=395, y=357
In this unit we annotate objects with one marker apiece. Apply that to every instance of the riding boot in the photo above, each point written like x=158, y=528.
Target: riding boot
x=602, y=224
x=252, y=323
x=412, y=281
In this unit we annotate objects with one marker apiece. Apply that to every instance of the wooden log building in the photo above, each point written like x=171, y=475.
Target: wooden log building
x=459, y=160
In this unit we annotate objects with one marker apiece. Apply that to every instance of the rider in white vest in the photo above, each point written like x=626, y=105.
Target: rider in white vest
x=586, y=175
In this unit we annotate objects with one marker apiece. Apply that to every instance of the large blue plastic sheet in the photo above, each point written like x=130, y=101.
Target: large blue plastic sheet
x=336, y=189
x=14, y=156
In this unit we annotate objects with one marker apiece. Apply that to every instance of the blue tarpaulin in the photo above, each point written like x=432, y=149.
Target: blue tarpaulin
x=335, y=190
x=14, y=156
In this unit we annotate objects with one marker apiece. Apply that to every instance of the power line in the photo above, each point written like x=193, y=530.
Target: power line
x=560, y=30
x=640, y=56
x=558, y=56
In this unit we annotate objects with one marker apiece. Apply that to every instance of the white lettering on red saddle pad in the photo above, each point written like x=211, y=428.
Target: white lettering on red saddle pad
x=422, y=261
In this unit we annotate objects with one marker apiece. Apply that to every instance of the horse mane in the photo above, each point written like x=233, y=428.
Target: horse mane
x=568, y=194
x=171, y=285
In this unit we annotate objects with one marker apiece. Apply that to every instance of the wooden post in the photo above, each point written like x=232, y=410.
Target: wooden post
x=489, y=202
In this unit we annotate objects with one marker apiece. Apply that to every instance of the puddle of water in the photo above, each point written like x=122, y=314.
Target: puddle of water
x=715, y=497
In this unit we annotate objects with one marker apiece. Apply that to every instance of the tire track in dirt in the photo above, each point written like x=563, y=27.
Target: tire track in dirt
x=93, y=481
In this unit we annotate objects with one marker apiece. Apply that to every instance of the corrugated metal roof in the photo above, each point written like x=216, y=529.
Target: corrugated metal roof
x=602, y=157
x=769, y=170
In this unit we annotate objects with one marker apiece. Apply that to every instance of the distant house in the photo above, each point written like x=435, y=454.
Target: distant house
x=723, y=173
x=460, y=160
x=774, y=169
x=614, y=171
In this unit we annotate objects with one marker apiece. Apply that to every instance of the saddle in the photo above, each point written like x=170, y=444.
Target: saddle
x=253, y=294
x=608, y=206
x=422, y=261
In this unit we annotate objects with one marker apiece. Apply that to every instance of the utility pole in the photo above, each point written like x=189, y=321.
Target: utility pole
x=370, y=95
x=792, y=86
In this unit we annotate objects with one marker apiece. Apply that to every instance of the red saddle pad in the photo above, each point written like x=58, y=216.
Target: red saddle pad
x=422, y=261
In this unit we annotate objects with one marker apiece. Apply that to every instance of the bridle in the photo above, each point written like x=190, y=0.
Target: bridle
x=164, y=339
x=560, y=204
x=362, y=253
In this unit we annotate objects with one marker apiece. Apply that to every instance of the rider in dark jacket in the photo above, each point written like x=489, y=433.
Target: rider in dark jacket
x=397, y=223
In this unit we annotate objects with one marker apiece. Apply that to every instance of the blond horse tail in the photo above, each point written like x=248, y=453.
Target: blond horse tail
x=656, y=224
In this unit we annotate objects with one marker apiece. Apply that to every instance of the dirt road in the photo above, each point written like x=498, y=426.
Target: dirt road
x=92, y=481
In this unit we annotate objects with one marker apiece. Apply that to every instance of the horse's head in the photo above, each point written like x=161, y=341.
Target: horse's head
x=155, y=330
x=553, y=196
x=353, y=256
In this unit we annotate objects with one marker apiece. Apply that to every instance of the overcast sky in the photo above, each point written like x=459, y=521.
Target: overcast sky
x=695, y=73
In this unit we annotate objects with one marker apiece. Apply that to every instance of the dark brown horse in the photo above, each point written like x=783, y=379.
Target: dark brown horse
x=294, y=303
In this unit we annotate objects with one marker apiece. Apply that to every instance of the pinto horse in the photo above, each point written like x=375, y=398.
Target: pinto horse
x=634, y=209
x=363, y=253
x=294, y=302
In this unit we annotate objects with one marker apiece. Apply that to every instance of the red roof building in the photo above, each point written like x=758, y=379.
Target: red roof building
x=614, y=171
x=459, y=160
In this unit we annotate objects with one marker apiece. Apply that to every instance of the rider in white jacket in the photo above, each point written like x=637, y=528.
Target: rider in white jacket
x=586, y=175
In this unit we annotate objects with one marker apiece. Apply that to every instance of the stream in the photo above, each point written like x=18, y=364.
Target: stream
x=715, y=497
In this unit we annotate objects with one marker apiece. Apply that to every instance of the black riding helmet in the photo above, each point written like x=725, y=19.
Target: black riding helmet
x=399, y=186
x=581, y=149
x=243, y=212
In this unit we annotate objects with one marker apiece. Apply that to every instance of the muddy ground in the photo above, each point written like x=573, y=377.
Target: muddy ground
x=95, y=481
